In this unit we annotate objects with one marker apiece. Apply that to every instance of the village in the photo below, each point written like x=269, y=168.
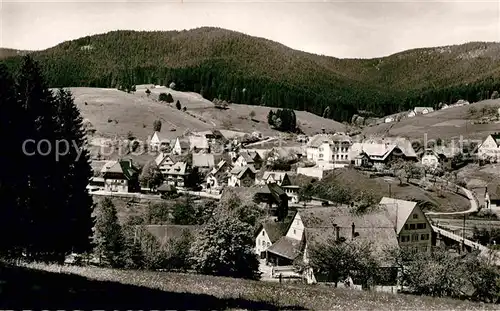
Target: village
x=207, y=164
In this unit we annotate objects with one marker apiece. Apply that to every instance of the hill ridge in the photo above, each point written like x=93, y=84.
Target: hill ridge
x=226, y=64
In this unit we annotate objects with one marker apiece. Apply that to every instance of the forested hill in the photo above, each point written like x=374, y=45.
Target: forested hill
x=249, y=70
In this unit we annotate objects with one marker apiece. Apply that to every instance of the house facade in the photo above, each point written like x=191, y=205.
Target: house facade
x=410, y=223
x=329, y=151
x=246, y=158
x=268, y=233
x=177, y=174
x=375, y=154
x=218, y=175
x=280, y=178
x=121, y=176
x=242, y=176
x=430, y=158
x=180, y=146
x=490, y=148
x=164, y=162
x=315, y=226
x=158, y=141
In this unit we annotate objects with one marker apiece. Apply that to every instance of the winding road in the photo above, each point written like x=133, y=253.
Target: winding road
x=473, y=205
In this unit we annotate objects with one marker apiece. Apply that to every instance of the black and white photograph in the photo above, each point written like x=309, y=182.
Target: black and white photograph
x=250, y=155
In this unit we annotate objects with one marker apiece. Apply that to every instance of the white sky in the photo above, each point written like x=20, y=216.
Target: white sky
x=335, y=28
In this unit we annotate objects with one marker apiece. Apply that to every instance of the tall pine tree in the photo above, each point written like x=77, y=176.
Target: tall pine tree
x=10, y=156
x=75, y=170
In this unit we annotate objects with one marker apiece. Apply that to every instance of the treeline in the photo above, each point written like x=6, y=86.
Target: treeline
x=46, y=210
x=238, y=68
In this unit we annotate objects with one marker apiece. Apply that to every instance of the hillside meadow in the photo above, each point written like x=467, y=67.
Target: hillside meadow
x=114, y=113
x=90, y=287
x=447, y=124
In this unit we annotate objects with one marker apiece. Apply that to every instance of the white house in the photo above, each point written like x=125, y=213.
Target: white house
x=180, y=146
x=177, y=174
x=329, y=151
x=280, y=178
x=430, y=158
x=158, y=140
x=490, y=148
x=217, y=176
x=389, y=119
x=248, y=158
x=268, y=233
x=198, y=143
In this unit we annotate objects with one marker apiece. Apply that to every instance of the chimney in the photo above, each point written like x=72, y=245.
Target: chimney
x=337, y=233
x=353, y=231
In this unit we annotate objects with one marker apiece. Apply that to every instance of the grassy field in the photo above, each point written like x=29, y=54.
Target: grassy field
x=446, y=124
x=359, y=181
x=51, y=286
x=114, y=113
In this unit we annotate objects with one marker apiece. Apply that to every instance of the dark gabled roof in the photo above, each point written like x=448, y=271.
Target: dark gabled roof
x=275, y=229
x=123, y=167
x=240, y=171
x=286, y=247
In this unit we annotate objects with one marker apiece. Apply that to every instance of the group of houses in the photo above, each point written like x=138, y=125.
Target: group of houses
x=396, y=223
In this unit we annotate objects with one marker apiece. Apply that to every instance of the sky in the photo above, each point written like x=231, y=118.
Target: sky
x=344, y=29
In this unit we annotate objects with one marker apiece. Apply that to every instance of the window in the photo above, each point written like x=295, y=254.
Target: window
x=415, y=216
x=320, y=155
x=414, y=238
x=424, y=237
x=294, y=231
x=421, y=226
x=320, y=148
x=412, y=226
x=406, y=226
x=263, y=233
x=264, y=243
x=405, y=238
x=268, y=244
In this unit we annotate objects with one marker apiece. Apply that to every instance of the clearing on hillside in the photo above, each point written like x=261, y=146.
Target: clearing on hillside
x=450, y=123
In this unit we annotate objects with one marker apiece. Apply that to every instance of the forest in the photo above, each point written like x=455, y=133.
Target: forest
x=239, y=68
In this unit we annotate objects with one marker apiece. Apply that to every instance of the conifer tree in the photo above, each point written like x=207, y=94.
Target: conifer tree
x=108, y=236
x=10, y=156
x=39, y=201
x=75, y=170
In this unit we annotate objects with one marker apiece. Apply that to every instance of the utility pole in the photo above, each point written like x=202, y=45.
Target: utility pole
x=463, y=235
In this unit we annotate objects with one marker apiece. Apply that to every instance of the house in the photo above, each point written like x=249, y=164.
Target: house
x=249, y=158
x=430, y=158
x=177, y=174
x=375, y=154
x=164, y=162
x=218, y=175
x=410, y=223
x=242, y=176
x=292, y=192
x=492, y=196
x=203, y=160
x=121, y=176
x=422, y=110
x=404, y=145
x=389, y=119
x=180, y=146
x=490, y=148
x=268, y=233
x=158, y=141
x=163, y=234
x=198, y=143
x=274, y=197
x=315, y=226
x=329, y=151
x=280, y=178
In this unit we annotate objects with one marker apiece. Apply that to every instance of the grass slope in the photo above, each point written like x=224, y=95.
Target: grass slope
x=224, y=63
x=447, y=124
x=136, y=113
x=97, y=288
